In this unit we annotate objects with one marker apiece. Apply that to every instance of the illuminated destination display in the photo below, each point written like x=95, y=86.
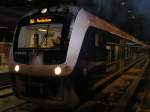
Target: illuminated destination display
x=37, y=20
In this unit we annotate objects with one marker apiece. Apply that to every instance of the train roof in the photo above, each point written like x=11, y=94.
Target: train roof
x=106, y=26
x=59, y=9
x=94, y=21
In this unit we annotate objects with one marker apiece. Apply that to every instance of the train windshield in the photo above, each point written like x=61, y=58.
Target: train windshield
x=46, y=36
x=41, y=36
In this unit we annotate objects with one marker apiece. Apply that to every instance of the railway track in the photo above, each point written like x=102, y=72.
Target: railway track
x=116, y=96
x=142, y=96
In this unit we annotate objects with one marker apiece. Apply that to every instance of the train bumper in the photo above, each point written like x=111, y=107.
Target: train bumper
x=39, y=70
x=49, y=92
x=69, y=101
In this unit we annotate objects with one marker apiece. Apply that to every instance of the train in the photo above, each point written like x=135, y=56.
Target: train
x=60, y=54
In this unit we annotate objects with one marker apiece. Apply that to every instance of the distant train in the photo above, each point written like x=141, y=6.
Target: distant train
x=60, y=54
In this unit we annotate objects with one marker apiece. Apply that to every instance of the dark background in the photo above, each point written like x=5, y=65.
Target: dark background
x=132, y=16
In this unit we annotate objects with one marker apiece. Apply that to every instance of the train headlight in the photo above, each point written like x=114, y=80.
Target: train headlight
x=17, y=68
x=57, y=70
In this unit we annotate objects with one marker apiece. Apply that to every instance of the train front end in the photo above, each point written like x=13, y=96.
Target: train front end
x=38, y=55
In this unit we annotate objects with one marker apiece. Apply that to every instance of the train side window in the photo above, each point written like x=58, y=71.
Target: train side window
x=112, y=51
x=97, y=40
x=109, y=53
x=116, y=52
x=126, y=52
x=93, y=47
x=99, y=47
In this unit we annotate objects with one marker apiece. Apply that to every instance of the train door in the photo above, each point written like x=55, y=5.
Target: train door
x=97, y=54
x=112, y=57
x=92, y=58
x=112, y=53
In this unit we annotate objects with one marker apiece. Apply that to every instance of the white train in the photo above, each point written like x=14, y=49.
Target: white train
x=60, y=54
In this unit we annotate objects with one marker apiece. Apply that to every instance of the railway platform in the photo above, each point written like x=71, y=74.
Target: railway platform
x=5, y=85
x=3, y=69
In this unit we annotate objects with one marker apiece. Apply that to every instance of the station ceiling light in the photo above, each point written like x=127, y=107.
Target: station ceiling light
x=43, y=11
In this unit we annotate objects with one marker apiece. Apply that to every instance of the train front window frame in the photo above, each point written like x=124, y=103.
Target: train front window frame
x=56, y=19
x=49, y=55
x=43, y=36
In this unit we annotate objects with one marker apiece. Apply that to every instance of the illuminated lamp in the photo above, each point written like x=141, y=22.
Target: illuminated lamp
x=43, y=11
x=42, y=30
x=57, y=70
x=17, y=68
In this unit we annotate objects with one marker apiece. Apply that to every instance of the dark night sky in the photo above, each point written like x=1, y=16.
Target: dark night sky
x=133, y=16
